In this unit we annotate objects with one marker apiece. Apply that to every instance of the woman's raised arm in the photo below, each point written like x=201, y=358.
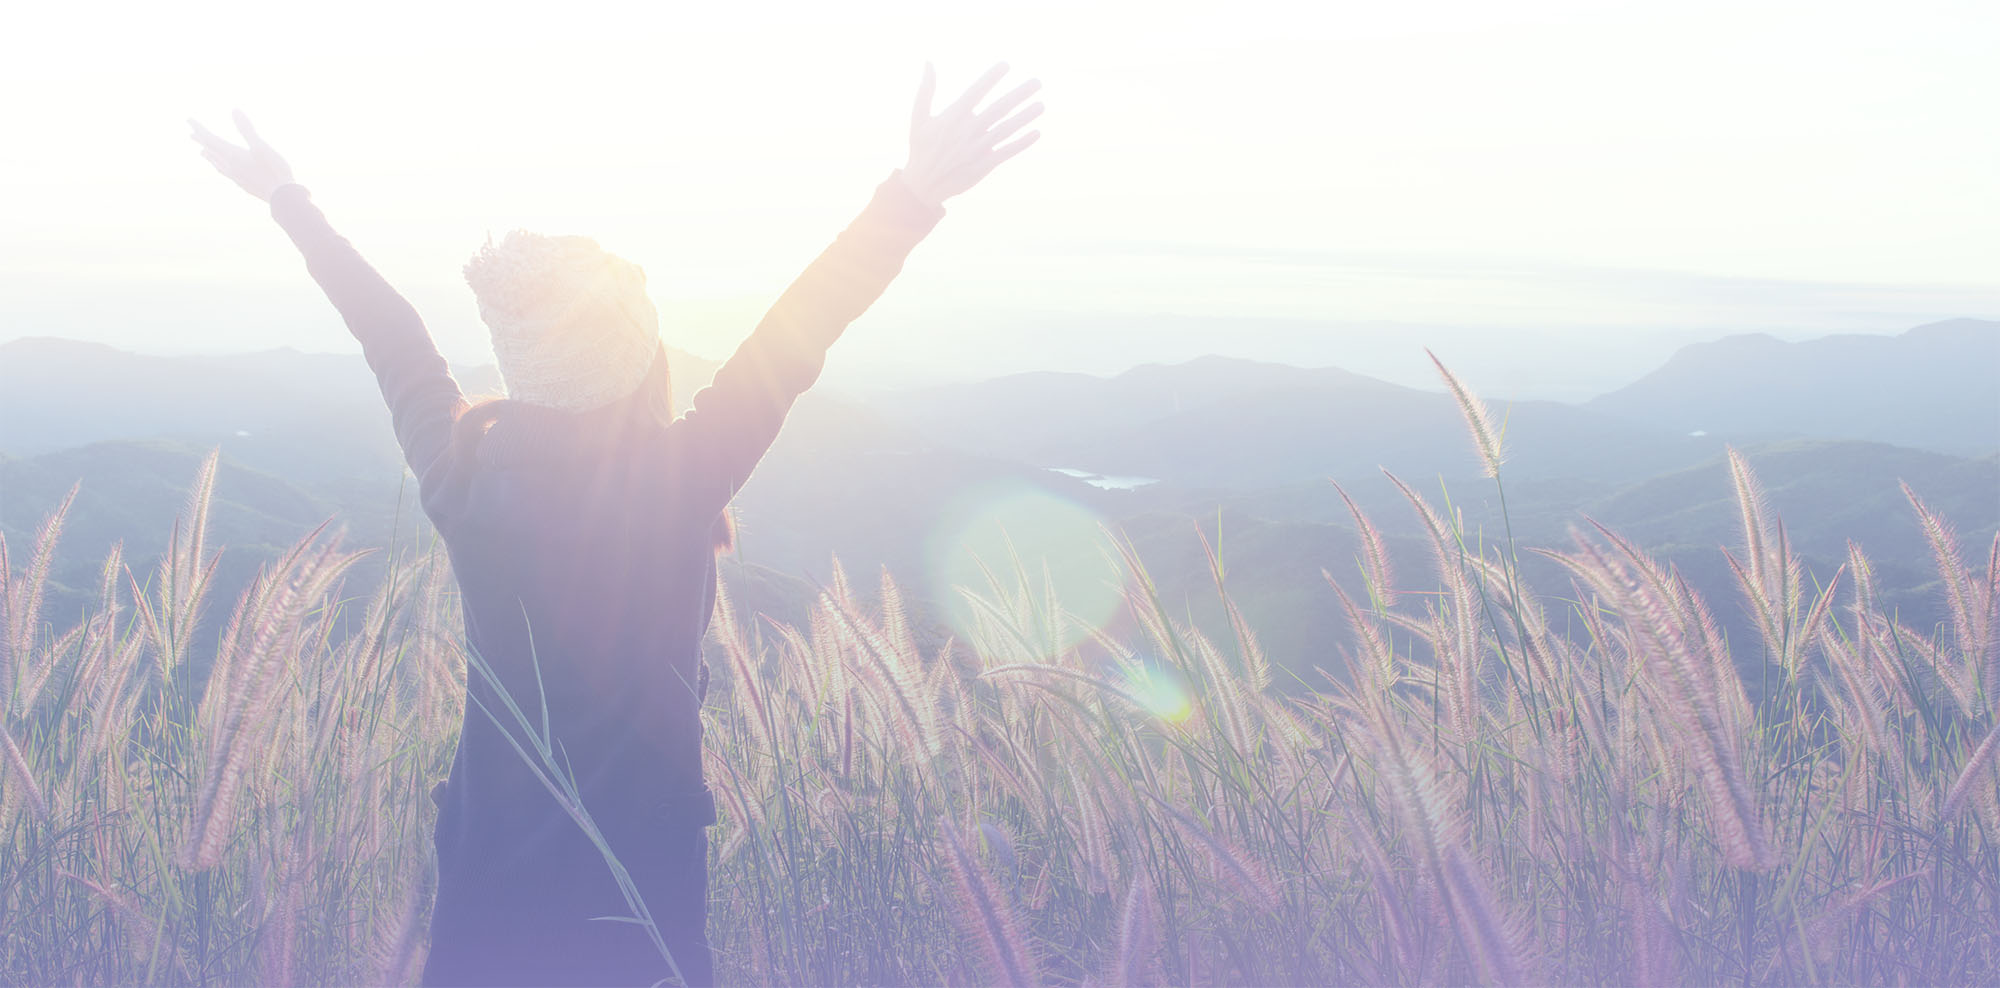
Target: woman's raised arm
x=416, y=382
x=730, y=423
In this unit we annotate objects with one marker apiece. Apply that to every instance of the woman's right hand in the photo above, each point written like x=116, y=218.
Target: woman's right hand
x=255, y=168
x=952, y=150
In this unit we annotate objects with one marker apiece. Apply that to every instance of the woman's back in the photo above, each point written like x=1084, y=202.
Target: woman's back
x=587, y=591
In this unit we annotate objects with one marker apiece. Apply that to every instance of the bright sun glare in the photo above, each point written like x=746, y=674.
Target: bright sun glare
x=992, y=538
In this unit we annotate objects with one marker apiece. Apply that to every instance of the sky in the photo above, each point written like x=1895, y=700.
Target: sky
x=1551, y=194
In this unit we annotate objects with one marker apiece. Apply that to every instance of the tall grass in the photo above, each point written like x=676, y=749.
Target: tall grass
x=1496, y=785
x=268, y=823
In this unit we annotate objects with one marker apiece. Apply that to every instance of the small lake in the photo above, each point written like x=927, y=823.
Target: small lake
x=1107, y=483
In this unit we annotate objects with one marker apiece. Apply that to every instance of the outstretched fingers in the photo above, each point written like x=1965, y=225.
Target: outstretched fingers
x=1007, y=127
x=207, y=139
x=1011, y=148
x=249, y=132
x=979, y=168
x=965, y=103
x=1004, y=105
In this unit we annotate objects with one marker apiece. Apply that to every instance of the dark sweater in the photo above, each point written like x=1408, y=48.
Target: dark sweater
x=583, y=543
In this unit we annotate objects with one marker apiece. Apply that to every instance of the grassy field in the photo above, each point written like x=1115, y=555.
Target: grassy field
x=1493, y=787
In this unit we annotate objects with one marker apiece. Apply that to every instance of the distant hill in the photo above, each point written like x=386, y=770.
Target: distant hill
x=316, y=417
x=1932, y=387
x=895, y=480
x=1230, y=424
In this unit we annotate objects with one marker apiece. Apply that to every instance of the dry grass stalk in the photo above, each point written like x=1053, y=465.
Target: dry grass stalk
x=989, y=914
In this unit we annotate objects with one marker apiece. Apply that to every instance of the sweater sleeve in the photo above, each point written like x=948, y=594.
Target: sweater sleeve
x=416, y=382
x=728, y=426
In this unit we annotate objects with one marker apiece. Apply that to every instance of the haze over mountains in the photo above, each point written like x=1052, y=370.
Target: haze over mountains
x=1932, y=387
x=901, y=479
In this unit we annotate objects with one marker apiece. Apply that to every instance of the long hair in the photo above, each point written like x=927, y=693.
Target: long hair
x=651, y=405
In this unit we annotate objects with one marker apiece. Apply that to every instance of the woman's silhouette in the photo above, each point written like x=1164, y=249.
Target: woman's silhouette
x=583, y=524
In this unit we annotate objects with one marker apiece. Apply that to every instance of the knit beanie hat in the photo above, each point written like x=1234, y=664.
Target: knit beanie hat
x=572, y=326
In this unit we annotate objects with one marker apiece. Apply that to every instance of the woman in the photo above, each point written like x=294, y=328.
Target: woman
x=583, y=526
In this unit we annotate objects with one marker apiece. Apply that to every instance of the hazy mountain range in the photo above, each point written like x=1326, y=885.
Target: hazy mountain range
x=1239, y=449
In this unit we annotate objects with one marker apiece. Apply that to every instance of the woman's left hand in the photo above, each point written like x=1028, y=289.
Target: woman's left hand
x=256, y=169
x=952, y=150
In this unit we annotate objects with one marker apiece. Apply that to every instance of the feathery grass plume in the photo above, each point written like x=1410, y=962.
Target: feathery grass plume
x=749, y=693
x=895, y=620
x=1654, y=940
x=1705, y=636
x=1380, y=664
x=1143, y=602
x=1236, y=871
x=1489, y=935
x=1978, y=776
x=1936, y=666
x=1485, y=437
x=1256, y=667
x=1444, y=543
x=1256, y=670
x=1466, y=654
x=1691, y=709
x=1516, y=601
x=21, y=609
x=1754, y=514
x=1862, y=699
x=24, y=778
x=182, y=580
x=948, y=689
x=1972, y=608
x=832, y=658
x=1429, y=820
x=103, y=670
x=107, y=582
x=9, y=589
x=86, y=667
x=1863, y=574
x=1808, y=629
x=397, y=953
x=1455, y=639
x=277, y=935
x=7, y=592
x=1293, y=741
x=1389, y=895
x=805, y=688
x=1870, y=632
x=738, y=800
x=1374, y=552
x=1110, y=780
x=838, y=586
x=112, y=700
x=1008, y=780
x=1093, y=860
x=1763, y=609
x=1226, y=693
x=1437, y=829
x=987, y=915
x=894, y=682
x=278, y=604
x=1135, y=963
x=1992, y=683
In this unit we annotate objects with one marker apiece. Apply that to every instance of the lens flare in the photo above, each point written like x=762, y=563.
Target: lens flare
x=1162, y=693
x=1020, y=545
